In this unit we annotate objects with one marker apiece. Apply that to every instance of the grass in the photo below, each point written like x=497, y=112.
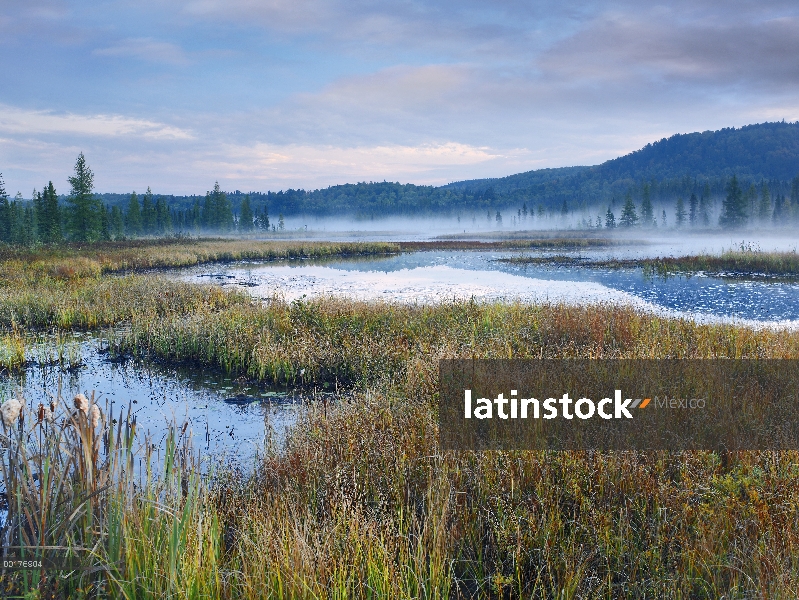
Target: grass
x=733, y=263
x=361, y=501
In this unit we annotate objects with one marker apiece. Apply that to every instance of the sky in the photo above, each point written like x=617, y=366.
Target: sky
x=274, y=94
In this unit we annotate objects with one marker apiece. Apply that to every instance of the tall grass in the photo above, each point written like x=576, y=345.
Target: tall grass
x=361, y=501
x=82, y=487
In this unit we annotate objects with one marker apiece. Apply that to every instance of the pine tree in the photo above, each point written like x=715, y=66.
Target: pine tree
x=629, y=217
x=647, y=214
x=133, y=221
x=704, y=206
x=751, y=201
x=679, y=212
x=117, y=223
x=163, y=220
x=207, y=219
x=610, y=219
x=692, y=212
x=564, y=210
x=85, y=214
x=148, y=213
x=54, y=233
x=245, y=218
x=105, y=223
x=263, y=220
x=221, y=210
x=734, y=207
x=779, y=209
x=5, y=214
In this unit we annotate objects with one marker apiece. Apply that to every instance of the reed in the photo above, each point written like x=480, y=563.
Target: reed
x=83, y=487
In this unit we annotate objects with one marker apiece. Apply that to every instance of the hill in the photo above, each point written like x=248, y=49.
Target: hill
x=676, y=166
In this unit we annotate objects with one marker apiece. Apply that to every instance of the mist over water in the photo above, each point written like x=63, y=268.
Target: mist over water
x=442, y=276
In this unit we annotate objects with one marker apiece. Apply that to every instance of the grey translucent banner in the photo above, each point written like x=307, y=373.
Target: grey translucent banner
x=619, y=404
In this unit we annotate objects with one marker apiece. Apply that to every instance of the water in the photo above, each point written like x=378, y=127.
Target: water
x=438, y=276
x=159, y=397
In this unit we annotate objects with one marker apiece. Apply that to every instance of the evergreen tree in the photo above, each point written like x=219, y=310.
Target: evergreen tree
x=117, y=223
x=610, y=219
x=795, y=196
x=564, y=210
x=704, y=206
x=85, y=214
x=194, y=220
x=207, y=213
x=764, y=208
x=133, y=220
x=105, y=223
x=629, y=217
x=148, y=220
x=5, y=214
x=246, y=217
x=647, y=214
x=734, y=208
x=693, y=204
x=281, y=224
x=751, y=201
x=222, y=210
x=680, y=213
x=50, y=219
x=663, y=219
x=779, y=209
x=263, y=220
x=163, y=220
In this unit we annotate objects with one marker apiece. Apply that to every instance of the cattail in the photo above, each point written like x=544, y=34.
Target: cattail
x=81, y=403
x=10, y=411
x=94, y=415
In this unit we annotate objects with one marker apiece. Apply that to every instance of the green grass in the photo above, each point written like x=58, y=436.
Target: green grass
x=362, y=502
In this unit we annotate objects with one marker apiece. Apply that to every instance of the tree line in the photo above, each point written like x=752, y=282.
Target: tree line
x=83, y=217
x=741, y=206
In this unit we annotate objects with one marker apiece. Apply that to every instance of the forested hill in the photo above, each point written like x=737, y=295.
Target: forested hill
x=672, y=167
x=767, y=151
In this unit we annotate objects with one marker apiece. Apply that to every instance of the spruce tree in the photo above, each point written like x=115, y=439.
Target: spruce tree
x=148, y=213
x=163, y=220
x=5, y=213
x=647, y=214
x=263, y=220
x=692, y=212
x=133, y=222
x=85, y=210
x=679, y=212
x=207, y=219
x=629, y=217
x=117, y=223
x=734, y=207
x=610, y=219
x=53, y=232
x=245, y=218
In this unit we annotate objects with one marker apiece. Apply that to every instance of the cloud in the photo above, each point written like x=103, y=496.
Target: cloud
x=640, y=48
x=145, y=49
x=34, y=123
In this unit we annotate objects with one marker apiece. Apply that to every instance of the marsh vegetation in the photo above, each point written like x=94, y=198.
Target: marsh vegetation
x=361, y=501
